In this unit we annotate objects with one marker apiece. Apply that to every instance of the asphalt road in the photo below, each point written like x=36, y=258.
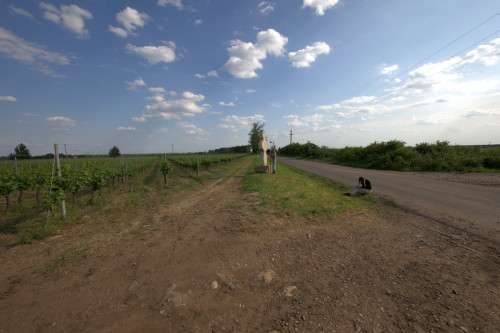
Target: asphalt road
x=473, y=208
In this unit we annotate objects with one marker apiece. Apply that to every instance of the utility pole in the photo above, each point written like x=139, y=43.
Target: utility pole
x=291, y=136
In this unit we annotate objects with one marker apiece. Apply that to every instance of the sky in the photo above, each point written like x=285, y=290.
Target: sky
x=162, y=76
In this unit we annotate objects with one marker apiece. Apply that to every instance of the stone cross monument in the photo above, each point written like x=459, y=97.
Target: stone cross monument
x=263, y=168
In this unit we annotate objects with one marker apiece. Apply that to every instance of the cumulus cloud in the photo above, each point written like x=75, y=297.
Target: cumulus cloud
x=8, y=98
x=226, y=104
x=154, y=54
x=198, y=22
x=186, y=106
x=176, y=3
x=139, y=82
x=130, y=128
x=235, y=123
x=319, y=5
x=130, y=19
x=33, y=54
x=245, y=57
x=266, y=7
x=191, y=129
x=71, y=17
x=304, y=57
x=212, y=74
x=60, y=121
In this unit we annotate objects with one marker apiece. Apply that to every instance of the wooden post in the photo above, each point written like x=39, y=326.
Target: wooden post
x=58, y=166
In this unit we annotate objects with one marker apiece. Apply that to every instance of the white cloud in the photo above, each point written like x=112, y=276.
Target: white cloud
x=199, y=76
x=176, y=3
x=130, y=19
x=304, y=57
x=389, y=69
x=189, y=95
x=245, y=57
x=153, y=54
x=8, y=98
x=266, y=7
x=174, y=109
x=320, y=5
x=30, y=53
x=235, y=123
x=226, y=104
x=60, y=121
x=118, y=31
x=191, y=129
x=359, y=100
x=71, y=17
x=162, y=130
x=212, y=74
x=346, y=103
x=139, y=119
x=22, y=12
x=156, y=89
x=26, y=114
x=130, y=128
x=139, y=82
x=198, y=22
x=479, y=113
x=250, y=91
x=294, y=121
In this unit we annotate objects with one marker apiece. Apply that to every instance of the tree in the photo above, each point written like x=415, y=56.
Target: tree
x=254, y=136
x=114, y=152
x=21, y=152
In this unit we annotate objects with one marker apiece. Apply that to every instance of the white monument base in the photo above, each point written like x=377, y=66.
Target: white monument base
x=263, y=169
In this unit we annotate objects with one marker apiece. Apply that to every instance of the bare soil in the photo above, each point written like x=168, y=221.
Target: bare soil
x=205, y=260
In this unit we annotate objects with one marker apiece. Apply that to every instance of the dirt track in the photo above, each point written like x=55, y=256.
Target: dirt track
x=206, y=261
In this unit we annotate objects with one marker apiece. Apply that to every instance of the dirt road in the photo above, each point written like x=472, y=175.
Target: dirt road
x=469, y=201
x=206, y=260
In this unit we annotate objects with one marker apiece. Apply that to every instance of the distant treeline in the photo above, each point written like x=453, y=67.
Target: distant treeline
x=230, y=150
x=394, y=155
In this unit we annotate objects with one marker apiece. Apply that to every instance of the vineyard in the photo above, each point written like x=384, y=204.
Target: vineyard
x=33, y=188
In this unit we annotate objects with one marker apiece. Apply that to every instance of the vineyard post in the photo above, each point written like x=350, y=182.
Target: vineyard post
x=15, y=164
x=76, y=164
x=58, y=166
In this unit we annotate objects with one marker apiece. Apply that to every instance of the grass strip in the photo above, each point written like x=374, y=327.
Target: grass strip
x=294, y=192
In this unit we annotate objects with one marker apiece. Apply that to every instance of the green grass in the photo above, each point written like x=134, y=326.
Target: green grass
x=294, y=192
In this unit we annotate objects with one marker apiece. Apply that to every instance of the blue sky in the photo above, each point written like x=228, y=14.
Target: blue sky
x=150, y=75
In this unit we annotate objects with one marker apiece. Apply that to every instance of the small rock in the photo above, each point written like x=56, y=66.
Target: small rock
x=226, y=280
x=267, y=276
x=289, y=290
x=133, y=285
x=214, y=285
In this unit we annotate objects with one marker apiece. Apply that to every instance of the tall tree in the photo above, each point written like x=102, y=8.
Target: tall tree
x=21, y=152
x=114, y=152
x=254, y=136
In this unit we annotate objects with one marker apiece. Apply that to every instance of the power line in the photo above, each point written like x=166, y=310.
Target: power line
x=480, y=52
x=441, y=49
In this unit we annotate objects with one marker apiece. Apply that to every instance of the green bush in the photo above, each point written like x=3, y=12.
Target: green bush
x=394, y=155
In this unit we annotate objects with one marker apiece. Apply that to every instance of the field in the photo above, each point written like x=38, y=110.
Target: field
x=228, y=250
